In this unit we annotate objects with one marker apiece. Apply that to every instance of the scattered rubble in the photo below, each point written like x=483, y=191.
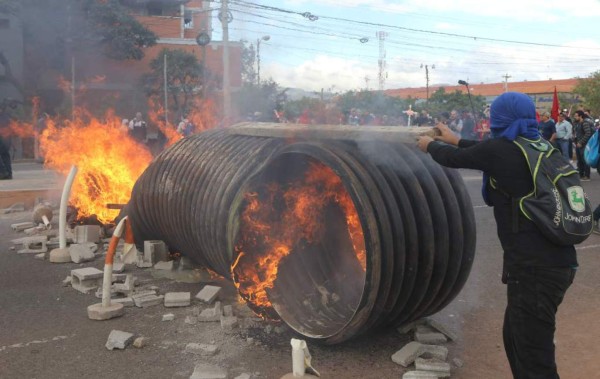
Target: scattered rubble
x=208, y=294
x=40, y=256
x=118, y=340
x=439, y=367
x=87, y=279
x=201, y=349
x=228, y=310
x=407, y=355
x=211, y=314
x=458, y=362
x=60, y=256
x=118, y=267
x=100, y=312
x=229, y=323
x=140, y=342
x=146, y=299
x=207, y=371
x=191, y=320
x=154, y=251
x=87, y=233
x=21, y=226
x=177, y=299
x=442, y=329
x=16, y=207
x=81, y=253
x=162, y=265
x=34, y=245
x=243, y=376
x=419, y=375
x=126, y=301
x=67, y=281
x=168, y=317
x=434, y=351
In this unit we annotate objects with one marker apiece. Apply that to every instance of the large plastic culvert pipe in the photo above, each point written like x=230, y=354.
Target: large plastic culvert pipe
x=416, y=218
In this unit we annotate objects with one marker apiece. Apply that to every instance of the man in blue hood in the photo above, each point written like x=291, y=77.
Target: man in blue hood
x=537, y=272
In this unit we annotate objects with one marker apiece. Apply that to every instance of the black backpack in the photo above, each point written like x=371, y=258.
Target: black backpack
x=558, y=206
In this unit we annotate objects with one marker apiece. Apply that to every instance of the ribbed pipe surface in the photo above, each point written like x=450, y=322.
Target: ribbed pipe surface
x=416, y=216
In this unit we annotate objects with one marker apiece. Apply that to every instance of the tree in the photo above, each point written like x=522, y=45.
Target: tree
x=589, y=89
x=257, y=102
x=120, y=34
x=440, y=102
x=248, y=62
x=185, y=77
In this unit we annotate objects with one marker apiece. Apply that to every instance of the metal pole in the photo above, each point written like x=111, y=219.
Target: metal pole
x=226, y=79
x=258, y=61
x=166, y=90
x=73, y=88
x=204, y=73
x=427, y=80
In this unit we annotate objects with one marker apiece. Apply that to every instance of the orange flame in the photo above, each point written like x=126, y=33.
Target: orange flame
x=277, y=220
x=108, y=160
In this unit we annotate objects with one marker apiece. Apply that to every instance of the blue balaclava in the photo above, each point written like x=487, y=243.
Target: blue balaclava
x=512, y=115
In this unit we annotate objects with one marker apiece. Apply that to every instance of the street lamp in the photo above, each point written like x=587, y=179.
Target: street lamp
x=203, y=39
x=427, y=77
x=263, y=38
x=464, y=83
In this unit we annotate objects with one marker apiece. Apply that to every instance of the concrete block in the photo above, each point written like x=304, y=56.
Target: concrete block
x=458, y=362
x=206, y=371
x=430, y=338
x=35, y=230
x=127, y=287
x=228, y=310
x=434, y=351
x=67, y=281
x=34, y=245
x=442, y=329
x=86, y=280
x=440, y=367
x=407, y=328
x=407, y=355
x=211, y=314
x=208, y=294
x=419, y=375
x=60, y=256
x=243, y=376
x=40, y=256
x=425, y=329
x=87, y=233
x=126, y=301
x=140, y=342
x=191, y=320
x=118, y=340
x=80, y=253
x=186, y=263
x=155, y=251
x=201, y=349
x=147, y=301
x=98, y=312
x=168, y=317
x=162, y=265
x=20, y=226
x=178, y=299
x=229, y=323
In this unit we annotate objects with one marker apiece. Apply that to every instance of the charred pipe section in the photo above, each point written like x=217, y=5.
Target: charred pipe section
x=416, y=223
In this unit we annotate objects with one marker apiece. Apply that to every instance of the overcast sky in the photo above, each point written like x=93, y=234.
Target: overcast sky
x=463, y=39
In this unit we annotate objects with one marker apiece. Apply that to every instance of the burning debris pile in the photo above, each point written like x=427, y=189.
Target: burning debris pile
x=335, y=237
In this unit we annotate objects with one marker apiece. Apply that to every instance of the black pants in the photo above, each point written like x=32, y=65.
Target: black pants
x=5, y=165
x=534, y=294
x=582, y=167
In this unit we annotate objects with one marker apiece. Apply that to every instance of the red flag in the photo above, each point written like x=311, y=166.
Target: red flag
x=555, y=106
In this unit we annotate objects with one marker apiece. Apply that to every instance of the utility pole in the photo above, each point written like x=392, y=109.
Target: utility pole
x=226, y=79
x=506, y=77
x=382, y=61
x=367, y=80
x=427, y=78
x=166, y=90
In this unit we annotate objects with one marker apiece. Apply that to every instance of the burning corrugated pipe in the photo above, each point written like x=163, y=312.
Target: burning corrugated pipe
x=335, y=237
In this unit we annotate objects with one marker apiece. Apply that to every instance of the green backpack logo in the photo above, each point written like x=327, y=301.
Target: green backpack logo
x=576, y=198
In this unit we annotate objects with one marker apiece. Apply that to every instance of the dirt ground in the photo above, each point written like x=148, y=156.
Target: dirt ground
x=45, y=332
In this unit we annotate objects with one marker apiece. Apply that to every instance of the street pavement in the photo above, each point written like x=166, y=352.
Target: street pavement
x=45, y=332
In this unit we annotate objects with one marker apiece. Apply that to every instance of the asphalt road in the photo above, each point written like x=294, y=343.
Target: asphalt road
x=45, y=332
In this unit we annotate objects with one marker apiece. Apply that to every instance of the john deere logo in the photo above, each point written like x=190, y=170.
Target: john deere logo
x=576, y=198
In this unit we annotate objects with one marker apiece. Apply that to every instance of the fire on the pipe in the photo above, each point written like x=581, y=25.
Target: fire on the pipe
x=295, y=217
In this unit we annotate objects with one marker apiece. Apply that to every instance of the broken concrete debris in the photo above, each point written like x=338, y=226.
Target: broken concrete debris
x=100, y=312
x=118, y=267
x=441, y=328
x=229, y=323
x=430, y=337
x=140, y=342
x=20, y=226
x=208, y=294
x=87, y=279
x=168, y=317
x=207, y=371
x=243, y=376
x=87, y=233
x=162, y=265
x=146, y=299
x=118, y=340
x=191, y=320
x=40, y=256
x=211, y=314
x=419, y=375
x=407, y=355
x=16, y=207
x=81, y=253
x=458, y=362
x=67, y=281
x=154, y=251
x=126, y=301
x=201, y=349
x=177, y=299
x=34, y=245
x=60, y=256
x=228, y=310
x=434, y=351
x=440, y=367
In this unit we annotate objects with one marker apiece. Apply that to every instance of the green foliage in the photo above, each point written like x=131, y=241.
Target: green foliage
x=185, y=76
x=372, y=102
x=251, y=99
x=589, y=89
x=440, y=102
x=122, y=36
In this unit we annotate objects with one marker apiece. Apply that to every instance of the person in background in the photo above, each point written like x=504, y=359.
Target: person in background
x=468, y=129
x=583, y=130
x=5, y=161
x=482, y=128
x=596, y=217
x=137, y=128
x=455, y=124
x=547, y=127
x=537, y=272
x=564, y=134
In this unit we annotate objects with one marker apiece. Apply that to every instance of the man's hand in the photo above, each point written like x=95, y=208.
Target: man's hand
x=423, y=142
x=447, y=135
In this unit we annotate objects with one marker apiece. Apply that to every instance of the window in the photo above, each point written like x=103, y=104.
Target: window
x=188, y=20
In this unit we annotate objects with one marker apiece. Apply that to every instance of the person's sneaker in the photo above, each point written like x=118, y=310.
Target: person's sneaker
x=585, y=179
